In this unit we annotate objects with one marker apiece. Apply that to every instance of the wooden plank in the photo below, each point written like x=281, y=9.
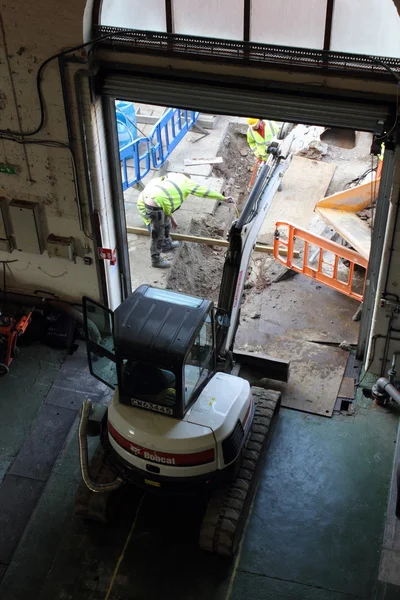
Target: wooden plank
x=189, y=162
x=353, y=200
x=304, y=183
x=350, y=227
x=208, y=241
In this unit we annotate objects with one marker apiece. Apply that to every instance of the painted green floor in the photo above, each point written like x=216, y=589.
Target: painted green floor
x=314, y=533
x=316, y=527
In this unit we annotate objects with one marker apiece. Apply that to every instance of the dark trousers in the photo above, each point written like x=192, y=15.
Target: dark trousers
x=160, y=228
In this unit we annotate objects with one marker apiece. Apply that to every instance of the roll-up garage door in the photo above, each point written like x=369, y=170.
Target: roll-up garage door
x=248, y=98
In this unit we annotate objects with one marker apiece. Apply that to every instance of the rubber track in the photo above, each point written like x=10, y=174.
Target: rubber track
x=228, y=507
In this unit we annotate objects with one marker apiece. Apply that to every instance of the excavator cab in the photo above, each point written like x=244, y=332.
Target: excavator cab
x=158, y=347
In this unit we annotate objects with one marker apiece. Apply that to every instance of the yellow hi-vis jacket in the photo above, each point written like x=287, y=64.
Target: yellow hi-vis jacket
x=170, y=191
x=259, y=144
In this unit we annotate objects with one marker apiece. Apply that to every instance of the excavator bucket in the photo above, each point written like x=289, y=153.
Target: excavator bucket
x=337, y=136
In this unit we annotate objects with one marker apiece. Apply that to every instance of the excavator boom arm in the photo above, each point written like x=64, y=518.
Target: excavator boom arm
x=242, y=239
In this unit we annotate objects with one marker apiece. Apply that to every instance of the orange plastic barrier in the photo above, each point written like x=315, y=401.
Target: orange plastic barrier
x=313, y=261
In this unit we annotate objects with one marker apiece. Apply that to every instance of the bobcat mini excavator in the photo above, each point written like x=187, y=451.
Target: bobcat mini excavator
x=181, y=420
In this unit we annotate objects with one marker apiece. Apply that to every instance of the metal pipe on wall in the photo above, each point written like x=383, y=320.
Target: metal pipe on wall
x=62, y=61
x=80, y=102
x=382, y=279
x=68, y=122
x=385, y=387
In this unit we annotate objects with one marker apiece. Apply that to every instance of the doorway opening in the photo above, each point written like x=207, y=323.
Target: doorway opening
x=285, y=314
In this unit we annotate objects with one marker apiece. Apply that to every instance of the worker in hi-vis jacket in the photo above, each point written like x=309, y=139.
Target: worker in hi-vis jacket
x=259, y=136
x=160, y=198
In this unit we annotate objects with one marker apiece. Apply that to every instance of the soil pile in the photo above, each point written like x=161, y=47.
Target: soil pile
x=238, y=164
x=197, y=270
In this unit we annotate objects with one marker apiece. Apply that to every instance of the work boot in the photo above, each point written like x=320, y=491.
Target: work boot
x=169, y=246
x=160, y=263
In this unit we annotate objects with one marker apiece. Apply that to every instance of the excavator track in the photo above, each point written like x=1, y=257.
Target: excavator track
x=228, y=507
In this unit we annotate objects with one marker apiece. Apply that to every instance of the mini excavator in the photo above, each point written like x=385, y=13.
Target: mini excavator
x=181, y=420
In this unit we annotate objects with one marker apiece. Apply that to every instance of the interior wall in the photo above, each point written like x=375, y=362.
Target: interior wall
x=29, y=34
x=383, y=342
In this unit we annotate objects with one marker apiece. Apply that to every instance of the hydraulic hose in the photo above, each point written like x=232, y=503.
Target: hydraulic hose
x=83, y=455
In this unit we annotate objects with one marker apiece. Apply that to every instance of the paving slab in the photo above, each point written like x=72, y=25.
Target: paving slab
x=43, y=444
x=48, y=525
x=198, y=145
x=73, y=399
x=21, y=394
x=44, y=533
x=18, y=497
x=63, y=395
x=80, y=381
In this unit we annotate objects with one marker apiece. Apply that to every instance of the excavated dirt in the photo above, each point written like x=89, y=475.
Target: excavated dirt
x=238, y=163
x=198, y=268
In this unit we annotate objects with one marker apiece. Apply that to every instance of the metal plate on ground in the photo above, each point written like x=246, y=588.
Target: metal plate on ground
x=316, y=373
x=303, y=309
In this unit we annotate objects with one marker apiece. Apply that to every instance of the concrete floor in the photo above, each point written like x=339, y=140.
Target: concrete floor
x=314, y=533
